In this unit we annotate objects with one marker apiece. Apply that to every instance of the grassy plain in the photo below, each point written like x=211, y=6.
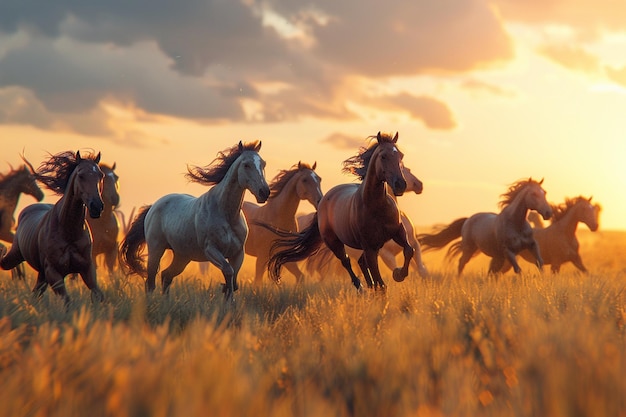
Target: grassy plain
x=529, y=345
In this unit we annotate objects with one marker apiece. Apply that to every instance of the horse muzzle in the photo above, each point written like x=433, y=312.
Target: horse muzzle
x=546, y=214
x=95, y=209
x=398, y=186
x=262, y=194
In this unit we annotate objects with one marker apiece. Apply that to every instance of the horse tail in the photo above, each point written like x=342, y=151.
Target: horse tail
x=292, y=247
x=132, y=245
x=443, y=236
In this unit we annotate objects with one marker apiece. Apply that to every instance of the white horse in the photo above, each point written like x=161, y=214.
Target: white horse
x=207, y=228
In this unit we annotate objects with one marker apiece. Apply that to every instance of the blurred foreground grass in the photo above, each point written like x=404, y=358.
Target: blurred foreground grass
x=533, y=345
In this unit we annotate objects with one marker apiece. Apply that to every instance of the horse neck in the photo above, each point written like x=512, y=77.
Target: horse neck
x=229, y=195
x=390, y=192
x=373, y=190
x=517, y=210
x=11, y=190
x=285, y=204
x=71, y=211
x=569, y=222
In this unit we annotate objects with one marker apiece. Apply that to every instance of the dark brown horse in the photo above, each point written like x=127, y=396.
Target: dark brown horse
x=55, y=239
x=361, y=216
x=500, y=236
x=12, y=185
x=105, y=229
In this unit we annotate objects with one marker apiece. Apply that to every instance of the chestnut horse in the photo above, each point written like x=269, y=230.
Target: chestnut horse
x=207, y=228
x=55, y=239
x=287, y=189
x=105, y=229
x=557, y=242
x=12, y=185
x=500, y=236
x=362, y=216
x=322, y=261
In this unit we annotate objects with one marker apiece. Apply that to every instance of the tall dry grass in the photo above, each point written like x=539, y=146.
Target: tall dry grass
x=529, y=345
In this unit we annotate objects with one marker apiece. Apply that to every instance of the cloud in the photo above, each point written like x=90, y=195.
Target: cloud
x=212, y=61
x=432, y=112
x=617, y=75
x=571, y=57
x=344, y=141
x=474, y=85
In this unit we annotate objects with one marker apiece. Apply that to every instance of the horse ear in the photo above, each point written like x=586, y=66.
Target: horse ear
x=113, y=167
x=541, y=182
x=395, y=138
x=378, y=136
x=78, y=158
x=258, y=147
x=97, y=160
x=590, y=199
x=240, y=146
x=299, y=164
x=314, y=165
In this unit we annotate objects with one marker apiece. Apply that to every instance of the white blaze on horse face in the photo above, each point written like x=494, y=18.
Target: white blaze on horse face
x=257, y=164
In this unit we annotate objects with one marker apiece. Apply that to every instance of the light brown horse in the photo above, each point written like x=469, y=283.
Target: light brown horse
x=321, y=262
x=557, y=242
x=12, y=185
x=105, y=229
x=362, y=216
x=206, y=228
x=55, y=239
x=287, y=189
x=500, y=236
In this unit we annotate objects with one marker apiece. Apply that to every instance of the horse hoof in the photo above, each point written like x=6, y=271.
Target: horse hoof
x=398, y=276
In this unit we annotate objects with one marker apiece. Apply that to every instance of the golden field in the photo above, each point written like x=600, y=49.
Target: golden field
x=528, y=345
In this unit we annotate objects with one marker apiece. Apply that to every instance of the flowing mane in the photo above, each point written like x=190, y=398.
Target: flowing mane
x=217, y=169
x=284, y=176
x=357, y=164
x=55, y=173
x=514, y=190
x=5, y=179
x=560, y=210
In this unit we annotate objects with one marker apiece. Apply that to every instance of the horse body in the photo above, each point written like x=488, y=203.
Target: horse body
x=557, y=242
x=500, y=236
x=208, y=228
x=286, y=191
x=55, y=239
x=362, y=216
x=105, y=229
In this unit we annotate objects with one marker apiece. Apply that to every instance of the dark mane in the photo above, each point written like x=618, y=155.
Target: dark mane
x=6, y=179
x=514, y=190
x=55, y=173
x=560, y=210
x=217, y=169
x=284, y=176
x=357, y=164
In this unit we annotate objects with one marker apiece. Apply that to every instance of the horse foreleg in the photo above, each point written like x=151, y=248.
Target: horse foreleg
x=534, y=249
x=578, y=263
x=399, y=274
x=229, y=269
x=497, y=263
x=56, y=281
x=417, y=258
x=90, y=280
x=259, y=269
x=366, y=273
x=371, y=259
x=175, y=268
x=40, y=285
x=110, y=259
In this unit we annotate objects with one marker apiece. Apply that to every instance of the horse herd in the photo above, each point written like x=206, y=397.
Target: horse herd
x=360, y=219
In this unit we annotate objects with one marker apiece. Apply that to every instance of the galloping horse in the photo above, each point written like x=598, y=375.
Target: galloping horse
x=322, y=260
x=286, y=190
x=362, y=216
x=105, y=229
x=500, y=236
x=55, y=239
x=557, y=242
x=207, y=228
x=17, y=181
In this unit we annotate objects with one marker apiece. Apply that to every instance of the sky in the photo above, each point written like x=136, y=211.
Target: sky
x=482, y=93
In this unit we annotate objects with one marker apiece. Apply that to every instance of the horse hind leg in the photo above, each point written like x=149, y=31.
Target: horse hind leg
x=295, y=271
x=174, y=269
x=154, y=260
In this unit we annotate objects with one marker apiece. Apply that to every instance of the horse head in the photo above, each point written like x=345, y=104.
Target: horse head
x=590, y=214
x=110, y=186
x=535, y=198
x=87, y=179
x=308, y=184
x=388, y=164
x=28, y=181
x=412, y=182
x=251, y=173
